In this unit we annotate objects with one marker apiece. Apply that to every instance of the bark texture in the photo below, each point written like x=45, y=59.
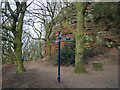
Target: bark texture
x=79, y=37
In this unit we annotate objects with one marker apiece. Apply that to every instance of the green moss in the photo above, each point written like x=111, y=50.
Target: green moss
x=20, y=69
x=80, y=70
x=97, y=66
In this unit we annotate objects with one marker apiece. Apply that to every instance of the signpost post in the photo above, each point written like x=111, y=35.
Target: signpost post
x=59, y=39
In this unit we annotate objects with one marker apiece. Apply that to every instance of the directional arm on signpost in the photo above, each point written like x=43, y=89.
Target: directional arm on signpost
x=60, y=39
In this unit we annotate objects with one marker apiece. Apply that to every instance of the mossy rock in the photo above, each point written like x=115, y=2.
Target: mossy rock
x=97, y=66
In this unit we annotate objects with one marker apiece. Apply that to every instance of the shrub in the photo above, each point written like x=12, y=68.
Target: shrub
x=67, y=56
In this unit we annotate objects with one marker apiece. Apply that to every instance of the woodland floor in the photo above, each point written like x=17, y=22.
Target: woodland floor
x=43, y=74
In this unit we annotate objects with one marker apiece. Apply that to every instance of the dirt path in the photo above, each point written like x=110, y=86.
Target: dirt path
x=41, y=74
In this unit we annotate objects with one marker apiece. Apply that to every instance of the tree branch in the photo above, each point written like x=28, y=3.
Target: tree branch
x=6, y=27
x=9, y=8
x=29, y=3
x=69, y=28
x=31, y=36
x=7, y=15
x=4, y=38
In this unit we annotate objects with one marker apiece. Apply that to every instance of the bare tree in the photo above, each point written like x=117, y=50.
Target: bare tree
x=15, y=16
x=46, y=13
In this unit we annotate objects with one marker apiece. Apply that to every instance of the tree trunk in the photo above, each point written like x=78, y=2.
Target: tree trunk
x=18, y=41
x=40, y=46
x=18, y=54
x=79, y=56
x=49, y=48
x=34, y=54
